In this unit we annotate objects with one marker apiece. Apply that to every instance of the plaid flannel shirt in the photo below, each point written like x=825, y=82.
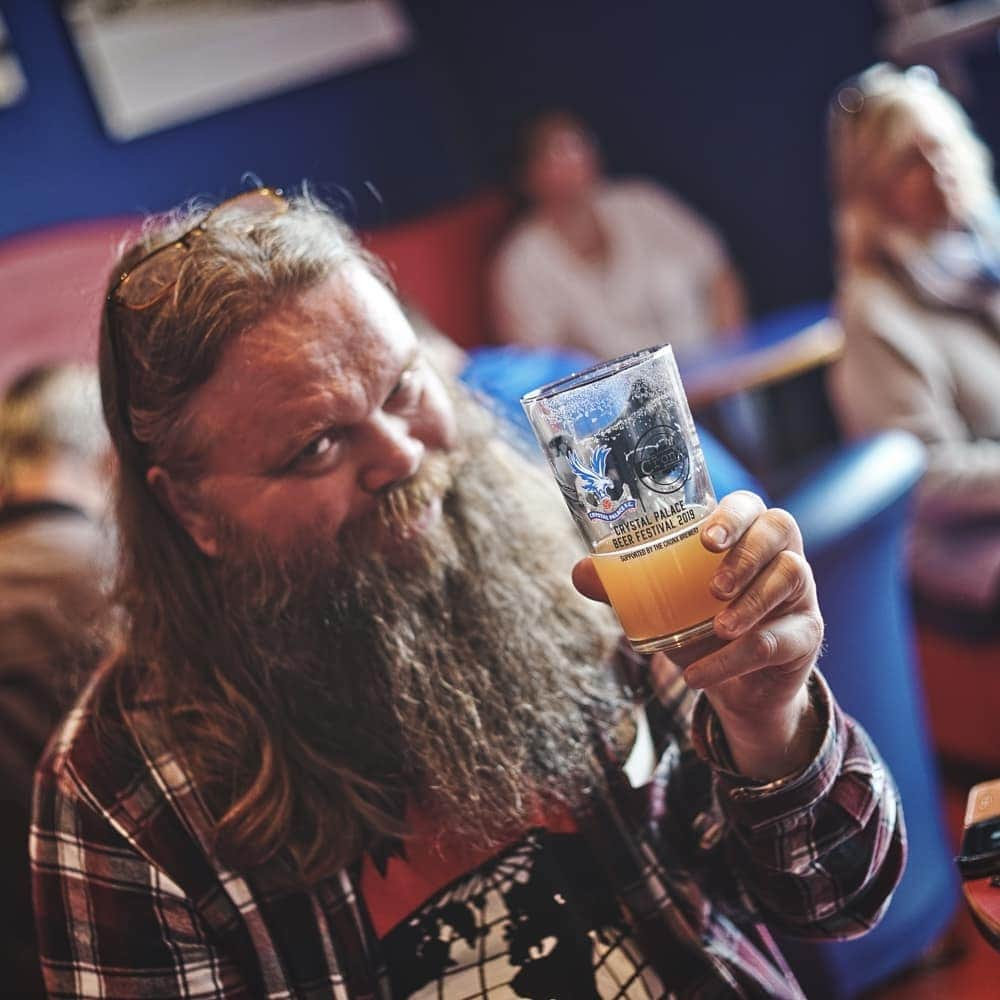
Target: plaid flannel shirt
x=130, y=903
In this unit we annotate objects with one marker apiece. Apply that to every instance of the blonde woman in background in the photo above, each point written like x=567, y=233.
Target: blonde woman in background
x=918, y=234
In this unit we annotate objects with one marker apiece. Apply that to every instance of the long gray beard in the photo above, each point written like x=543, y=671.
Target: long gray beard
x=460, y=666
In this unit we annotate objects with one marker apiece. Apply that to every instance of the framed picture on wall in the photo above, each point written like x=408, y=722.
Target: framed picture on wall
x=12, y=82
x=156, y=63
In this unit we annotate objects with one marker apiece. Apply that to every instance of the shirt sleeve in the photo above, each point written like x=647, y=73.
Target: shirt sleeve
x=887, y=379
x=110, y=924
x=821, y=850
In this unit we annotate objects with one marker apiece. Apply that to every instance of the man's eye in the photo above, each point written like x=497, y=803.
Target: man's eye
x=320, y=451
x=318, y=447
x=406, y=388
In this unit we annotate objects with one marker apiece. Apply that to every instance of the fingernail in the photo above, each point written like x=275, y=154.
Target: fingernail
x=716, y=534
x=728, y=620
x=723, y=582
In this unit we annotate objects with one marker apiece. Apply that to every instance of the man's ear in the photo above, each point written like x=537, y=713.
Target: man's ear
x=186, y=507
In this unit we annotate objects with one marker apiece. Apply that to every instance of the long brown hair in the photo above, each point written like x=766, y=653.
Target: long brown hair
x=481, y=682
x=155, y=359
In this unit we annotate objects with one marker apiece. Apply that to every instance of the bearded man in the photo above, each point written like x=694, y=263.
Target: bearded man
x=365, y=738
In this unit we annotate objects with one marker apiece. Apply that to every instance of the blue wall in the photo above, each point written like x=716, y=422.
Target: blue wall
x=393, y=123
x=727, y=110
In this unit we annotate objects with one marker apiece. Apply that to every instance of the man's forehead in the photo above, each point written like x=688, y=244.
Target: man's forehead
x=328, y=346
x=350, y=325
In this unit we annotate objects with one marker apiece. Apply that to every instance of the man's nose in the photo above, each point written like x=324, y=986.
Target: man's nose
x=392, y=453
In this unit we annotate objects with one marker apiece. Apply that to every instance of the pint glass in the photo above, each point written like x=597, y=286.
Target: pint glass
x=624, y=451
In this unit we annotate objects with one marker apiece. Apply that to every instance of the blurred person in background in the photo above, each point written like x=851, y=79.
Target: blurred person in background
x=918, y=235
x=604, y=266
x=53, y=560
x=364, y=736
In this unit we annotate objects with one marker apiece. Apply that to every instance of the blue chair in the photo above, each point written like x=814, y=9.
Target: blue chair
x=851, y=510
x=852, y=513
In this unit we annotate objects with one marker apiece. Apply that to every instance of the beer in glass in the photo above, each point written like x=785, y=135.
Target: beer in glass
x=624, y=451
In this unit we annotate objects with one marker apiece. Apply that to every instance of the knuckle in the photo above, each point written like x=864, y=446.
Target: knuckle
x=745, y=559
x=782, y=519
x=748, y=496
x=764, y=646
x=793, y=571
x=785, y=527
x=753, y=604
x=816, y=629
x=741, y=504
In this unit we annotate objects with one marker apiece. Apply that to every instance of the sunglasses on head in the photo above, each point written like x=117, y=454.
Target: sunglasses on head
x=152, y=277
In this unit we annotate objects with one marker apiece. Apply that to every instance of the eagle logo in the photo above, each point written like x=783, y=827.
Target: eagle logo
x=588, y=494
x=594, y=479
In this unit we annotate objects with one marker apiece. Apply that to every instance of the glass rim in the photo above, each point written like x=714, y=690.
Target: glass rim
x=596, y=372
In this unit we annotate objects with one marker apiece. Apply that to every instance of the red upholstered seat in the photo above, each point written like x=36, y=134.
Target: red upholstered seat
x=439, y=263
x=52, y=281
x=51, y=286
x=962, y=683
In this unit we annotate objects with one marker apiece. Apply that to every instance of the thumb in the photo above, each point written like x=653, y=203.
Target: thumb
x=586, y=580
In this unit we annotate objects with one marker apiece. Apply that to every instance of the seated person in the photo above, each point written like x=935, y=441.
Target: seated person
x=364, y=733
x=606, y=267
x=918, y=232
x=53, y=562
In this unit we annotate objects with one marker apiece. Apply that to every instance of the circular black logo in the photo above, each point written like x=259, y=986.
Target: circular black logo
x=660, y=460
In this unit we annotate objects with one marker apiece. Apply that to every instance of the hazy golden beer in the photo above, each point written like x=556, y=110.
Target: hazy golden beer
x=624, y=450
x=660, y=589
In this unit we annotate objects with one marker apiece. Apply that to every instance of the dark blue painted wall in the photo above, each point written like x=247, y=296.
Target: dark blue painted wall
x=723, y=102
x=392, y=123
x=727, y=108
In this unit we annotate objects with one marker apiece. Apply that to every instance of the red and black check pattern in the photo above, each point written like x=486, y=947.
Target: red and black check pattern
x=129, y=902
